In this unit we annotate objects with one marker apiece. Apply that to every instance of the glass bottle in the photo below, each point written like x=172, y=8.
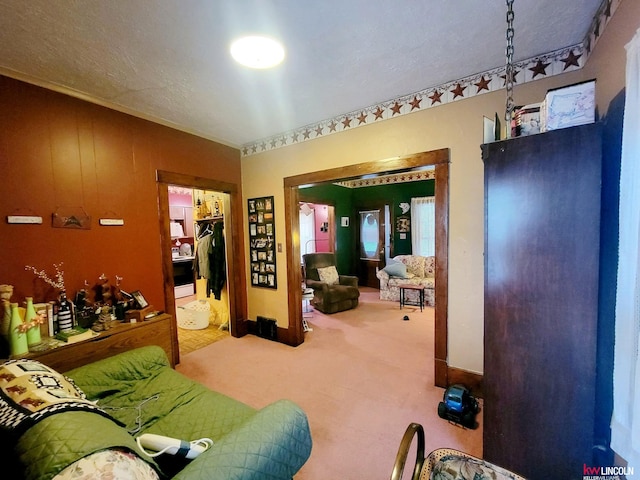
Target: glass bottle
x=17, y=336
x=32, y=323
x=65, y=316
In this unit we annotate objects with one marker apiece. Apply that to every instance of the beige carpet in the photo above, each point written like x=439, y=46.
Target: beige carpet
x=361, y=376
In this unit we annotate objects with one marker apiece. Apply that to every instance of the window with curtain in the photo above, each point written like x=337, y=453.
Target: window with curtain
x=625, y=422
x=423, y=229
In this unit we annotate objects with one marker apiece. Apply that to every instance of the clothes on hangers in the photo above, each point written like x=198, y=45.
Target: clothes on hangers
x=218, y=261
x=210, y=258
x=205, y=230
x=201, y=260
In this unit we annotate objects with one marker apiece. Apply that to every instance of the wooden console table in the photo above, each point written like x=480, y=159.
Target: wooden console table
x=122, y=337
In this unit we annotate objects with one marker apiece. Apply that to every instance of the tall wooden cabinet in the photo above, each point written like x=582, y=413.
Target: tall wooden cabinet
x=542, y=237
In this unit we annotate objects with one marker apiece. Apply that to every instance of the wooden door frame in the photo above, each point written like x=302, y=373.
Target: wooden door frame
x=236, y=278
x=437, y=158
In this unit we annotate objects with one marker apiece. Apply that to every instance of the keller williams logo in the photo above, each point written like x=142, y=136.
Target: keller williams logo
x=605, y=473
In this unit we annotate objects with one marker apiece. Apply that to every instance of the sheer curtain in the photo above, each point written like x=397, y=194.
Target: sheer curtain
x=625, y=424
x=423, y=226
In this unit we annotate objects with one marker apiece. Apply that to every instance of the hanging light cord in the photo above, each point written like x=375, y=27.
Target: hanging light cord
x=509, y=80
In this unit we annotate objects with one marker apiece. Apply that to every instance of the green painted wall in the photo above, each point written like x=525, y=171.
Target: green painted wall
x=341, y=199
x=347, y=202
x=394, y=195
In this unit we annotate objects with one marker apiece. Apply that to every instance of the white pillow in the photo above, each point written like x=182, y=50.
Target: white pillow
x=328, y=275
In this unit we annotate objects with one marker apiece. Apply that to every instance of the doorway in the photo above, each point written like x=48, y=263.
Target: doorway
x=199, y=259
x=371, y=242
x=439, y=159
x=235, y=271
x=317, y=229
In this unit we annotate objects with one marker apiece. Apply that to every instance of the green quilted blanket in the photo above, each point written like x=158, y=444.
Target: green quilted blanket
x=47, y=422
x=144, y=394
x=59, y=440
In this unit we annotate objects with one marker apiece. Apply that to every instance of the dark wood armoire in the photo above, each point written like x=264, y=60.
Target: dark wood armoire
x=542, y=247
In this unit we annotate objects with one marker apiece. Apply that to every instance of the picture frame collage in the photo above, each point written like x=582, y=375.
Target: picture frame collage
x=262, y=242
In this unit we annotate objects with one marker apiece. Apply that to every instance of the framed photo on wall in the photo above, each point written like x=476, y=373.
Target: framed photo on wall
x=262, y=242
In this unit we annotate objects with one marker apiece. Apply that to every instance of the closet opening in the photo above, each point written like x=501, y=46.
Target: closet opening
x=213, y=291
x=199, y=259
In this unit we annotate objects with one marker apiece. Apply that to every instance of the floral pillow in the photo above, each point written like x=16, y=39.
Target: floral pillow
x=111, y=464
x=415, y=265
x=329, y=275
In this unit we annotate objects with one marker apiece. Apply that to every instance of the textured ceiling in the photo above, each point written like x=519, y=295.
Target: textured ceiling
x=168, y=60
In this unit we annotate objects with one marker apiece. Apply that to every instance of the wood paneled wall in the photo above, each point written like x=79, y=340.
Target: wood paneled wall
x=59, y=153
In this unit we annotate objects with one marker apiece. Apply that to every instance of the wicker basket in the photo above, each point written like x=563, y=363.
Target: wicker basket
x=194, y=315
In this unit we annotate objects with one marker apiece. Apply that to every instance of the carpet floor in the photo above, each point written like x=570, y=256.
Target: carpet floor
x=361, y=376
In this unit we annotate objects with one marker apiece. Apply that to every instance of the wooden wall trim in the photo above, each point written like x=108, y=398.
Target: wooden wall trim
x=471, y=380
x=442, y=272
x=380, y=167
x=167, y=267
x=439, y=159
x=236, y=276
x=295, y=333
x=201, y=183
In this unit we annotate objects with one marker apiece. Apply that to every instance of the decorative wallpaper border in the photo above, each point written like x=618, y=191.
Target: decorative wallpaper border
x=417, y=176
x=542, y=66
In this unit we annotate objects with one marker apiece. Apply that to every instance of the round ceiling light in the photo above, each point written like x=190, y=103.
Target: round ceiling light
x=257, y=52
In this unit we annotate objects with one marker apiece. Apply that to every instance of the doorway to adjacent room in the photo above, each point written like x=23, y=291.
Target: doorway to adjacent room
x=229, y=206
x=199, y=260
x=437, y=159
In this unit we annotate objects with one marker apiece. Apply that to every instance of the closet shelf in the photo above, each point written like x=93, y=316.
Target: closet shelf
x=210, y=219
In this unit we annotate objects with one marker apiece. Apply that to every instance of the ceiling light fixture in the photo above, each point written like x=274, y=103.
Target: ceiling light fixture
x=257, y=52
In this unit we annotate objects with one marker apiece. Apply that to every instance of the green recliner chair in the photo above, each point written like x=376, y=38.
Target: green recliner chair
x=331, y=292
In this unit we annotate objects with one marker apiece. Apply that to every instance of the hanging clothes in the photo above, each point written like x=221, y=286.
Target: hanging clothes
x=217, y=260
x=210, y=258
x=204, y=247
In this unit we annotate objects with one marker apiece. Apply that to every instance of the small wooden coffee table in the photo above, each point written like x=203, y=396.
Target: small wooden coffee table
x=403, y=301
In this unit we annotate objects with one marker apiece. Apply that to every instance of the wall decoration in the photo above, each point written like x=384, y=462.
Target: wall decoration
x=403, y=224
x=112, y=222
x=26, y=219
x=66, y=217
x=262, y=242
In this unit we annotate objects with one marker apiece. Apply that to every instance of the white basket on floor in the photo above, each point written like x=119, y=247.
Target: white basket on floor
x=194, y=315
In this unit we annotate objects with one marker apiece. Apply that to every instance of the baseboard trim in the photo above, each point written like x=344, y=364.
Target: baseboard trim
x=441, y=373
x=250, y=327
x=472, y=380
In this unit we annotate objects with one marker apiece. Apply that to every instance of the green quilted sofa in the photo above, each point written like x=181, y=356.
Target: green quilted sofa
x=138, y=392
